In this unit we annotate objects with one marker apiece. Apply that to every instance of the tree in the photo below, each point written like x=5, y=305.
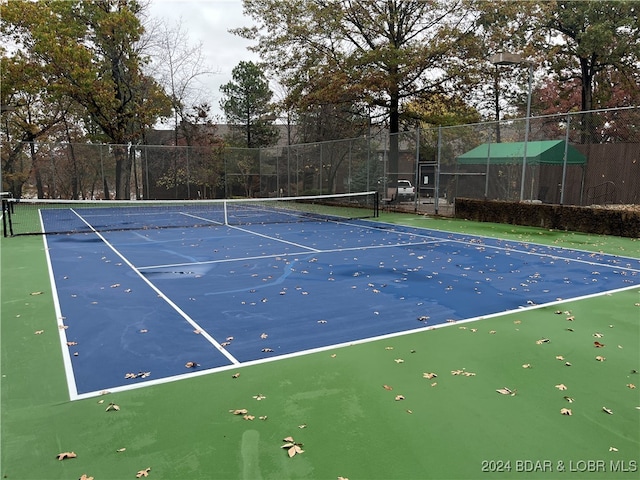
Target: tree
x=504, y=27
x=86, y=51
x=246, y=103
x=178, y=67
x=377, y=53
x=598, y=42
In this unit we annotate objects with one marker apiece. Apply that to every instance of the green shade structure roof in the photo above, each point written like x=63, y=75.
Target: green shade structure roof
x=547, y=152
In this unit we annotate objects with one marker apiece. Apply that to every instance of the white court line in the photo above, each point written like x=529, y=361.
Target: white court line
x=273, y=238
x=335, y=346
x=66, y=356
x=288, y=254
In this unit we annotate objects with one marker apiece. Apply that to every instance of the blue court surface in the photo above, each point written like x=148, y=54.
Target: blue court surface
x=147, y=306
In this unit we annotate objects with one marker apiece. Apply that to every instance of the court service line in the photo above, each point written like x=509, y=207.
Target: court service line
x=273, y=238
x=288, y=254
x=161, y=294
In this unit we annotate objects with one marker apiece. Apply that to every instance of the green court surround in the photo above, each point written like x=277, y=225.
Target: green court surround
x=335, y=402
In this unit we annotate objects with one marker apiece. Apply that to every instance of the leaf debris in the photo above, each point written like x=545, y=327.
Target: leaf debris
x=65, y=455
x=292, y=446
x=143, y=473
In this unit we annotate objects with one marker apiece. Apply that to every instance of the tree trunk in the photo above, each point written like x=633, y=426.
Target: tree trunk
x=123, y=172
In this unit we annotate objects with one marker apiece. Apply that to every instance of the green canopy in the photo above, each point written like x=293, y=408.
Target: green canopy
x=548, y=152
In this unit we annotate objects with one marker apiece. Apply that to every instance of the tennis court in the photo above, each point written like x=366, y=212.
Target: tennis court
x=418, y=401
x=139, y=305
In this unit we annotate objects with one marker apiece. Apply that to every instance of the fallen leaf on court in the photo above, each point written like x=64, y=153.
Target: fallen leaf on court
x=112, y=406
x=399, y=360
x=65, y=455
x=143, y=473
x=85, y=477
x=120, y=450
x=197, y=332
x=613, y=449
x=399, y=397
x=115, y=285
x=568, y=364
x=561, y=386
x=264, y=417
x=542, y=340
x=566, y=411
x=506, y=391
x=434, y=384
x=36, y=293
x=423, y=318
x=235, y=375
x=267, y=350
x=387, y=387
x=559, y=357
x=598, y=335
x=304, y=425
x=191, y=364
x=598, y=344
x=71, y=344
x=240, y=411
x=492, y=332
x=248, y=417
x=631, y=385
x=259, y=397
x=607, y=410
x=429, y=375
x=526, y=365
x=569, y=399
x=38, y=332
x=333, y=355
x=600, y=358
x=263, y=336
x=292, y=446
x=388, y=348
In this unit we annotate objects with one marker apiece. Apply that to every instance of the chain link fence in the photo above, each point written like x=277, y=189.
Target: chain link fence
x=581, y=158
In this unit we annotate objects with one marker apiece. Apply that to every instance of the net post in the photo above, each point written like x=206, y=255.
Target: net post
x=7, y=226
x=226, y=218
x=4, y=217
x=376, y=205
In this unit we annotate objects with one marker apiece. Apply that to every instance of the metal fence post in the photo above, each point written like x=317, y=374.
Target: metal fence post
x=416, y=200
x=564, y=160
x=436, y=202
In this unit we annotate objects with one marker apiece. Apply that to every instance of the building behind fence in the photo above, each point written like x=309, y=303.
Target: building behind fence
x=579, y=158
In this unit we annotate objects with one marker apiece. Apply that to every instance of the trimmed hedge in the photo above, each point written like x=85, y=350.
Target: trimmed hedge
x=602, y=221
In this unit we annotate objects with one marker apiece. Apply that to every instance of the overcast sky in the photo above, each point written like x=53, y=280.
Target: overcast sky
x=208, y=22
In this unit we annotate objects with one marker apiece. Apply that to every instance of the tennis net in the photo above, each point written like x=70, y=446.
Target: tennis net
x=52, y=216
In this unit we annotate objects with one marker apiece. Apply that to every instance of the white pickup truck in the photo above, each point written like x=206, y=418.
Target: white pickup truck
x=403, y=191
